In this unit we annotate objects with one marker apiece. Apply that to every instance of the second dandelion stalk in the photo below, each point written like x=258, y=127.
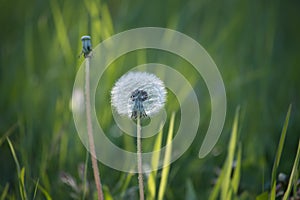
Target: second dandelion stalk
x=86, y=51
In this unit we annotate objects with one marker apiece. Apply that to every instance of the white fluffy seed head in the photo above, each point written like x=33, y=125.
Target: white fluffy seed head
x=123, y=89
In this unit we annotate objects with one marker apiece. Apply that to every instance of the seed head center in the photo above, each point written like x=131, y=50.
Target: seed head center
x=139, y=95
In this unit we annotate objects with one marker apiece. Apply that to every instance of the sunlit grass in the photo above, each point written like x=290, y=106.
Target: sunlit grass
x=227, y=184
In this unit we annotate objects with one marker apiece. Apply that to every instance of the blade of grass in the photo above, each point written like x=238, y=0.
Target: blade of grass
x=19, y=172
x=61, y=31
x=230, y=157
x=118, y=186
x=154, y=162
x=8, y=132
x=107, y=194
x=237, y=171
x=85, y=175
x=125, y=185
x=94, y=10
x=4, y=192
x=191, y=193
x=227, y=168
x=263, y=196
x=214, y=193
x=29, y=49
x=36, y=188
x=22, y=184
x=166, y=169
x=293, y=176
x=107, y=21
x=63, y=149
x=296, y=182
x=278, y=154
x=45, y=193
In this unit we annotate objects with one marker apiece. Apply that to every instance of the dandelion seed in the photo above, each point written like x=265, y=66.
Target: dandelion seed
x=138, y=94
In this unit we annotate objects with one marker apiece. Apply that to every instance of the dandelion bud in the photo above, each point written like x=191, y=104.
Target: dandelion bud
x=86, y=45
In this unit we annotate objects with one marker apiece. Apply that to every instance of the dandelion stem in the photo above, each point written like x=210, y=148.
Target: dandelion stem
x=90, y=129
x=139, y=157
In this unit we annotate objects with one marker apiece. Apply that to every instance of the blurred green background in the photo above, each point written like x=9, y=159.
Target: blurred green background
x=255, y=44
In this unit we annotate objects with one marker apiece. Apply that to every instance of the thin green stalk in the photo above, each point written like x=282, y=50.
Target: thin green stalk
x=21, y=172
x=36, y=188
x=90, y=129
x=139, y=158
x=85, y=176
x=154, y=164
x=4, y=192
x=279, y=152
x=293, y=174
x=167, y=160
x=8, y=132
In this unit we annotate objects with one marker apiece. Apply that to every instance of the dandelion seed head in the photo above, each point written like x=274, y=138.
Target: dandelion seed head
x=137, y=92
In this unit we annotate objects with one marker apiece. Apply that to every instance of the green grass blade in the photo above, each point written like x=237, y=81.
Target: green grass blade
x=125, y=184
x=4, y=192
x=22, y=184
x=21, y=173
x=263, y=196
x=8, y=132
x=293, y=176
x=191, y=193
x=237, y=171
x=94, y=8
x=230, y=157
x=154, y=162
x=35, y=189
x=221, y=183
x=166, y=169
x=63, y=149
x=296, y=178
x=107, y=22
x=45, y=193
x=278, y=154
x=107, y=194
x=14, y=155
x=85, y=187
x=216, y=189
x=61, y=31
